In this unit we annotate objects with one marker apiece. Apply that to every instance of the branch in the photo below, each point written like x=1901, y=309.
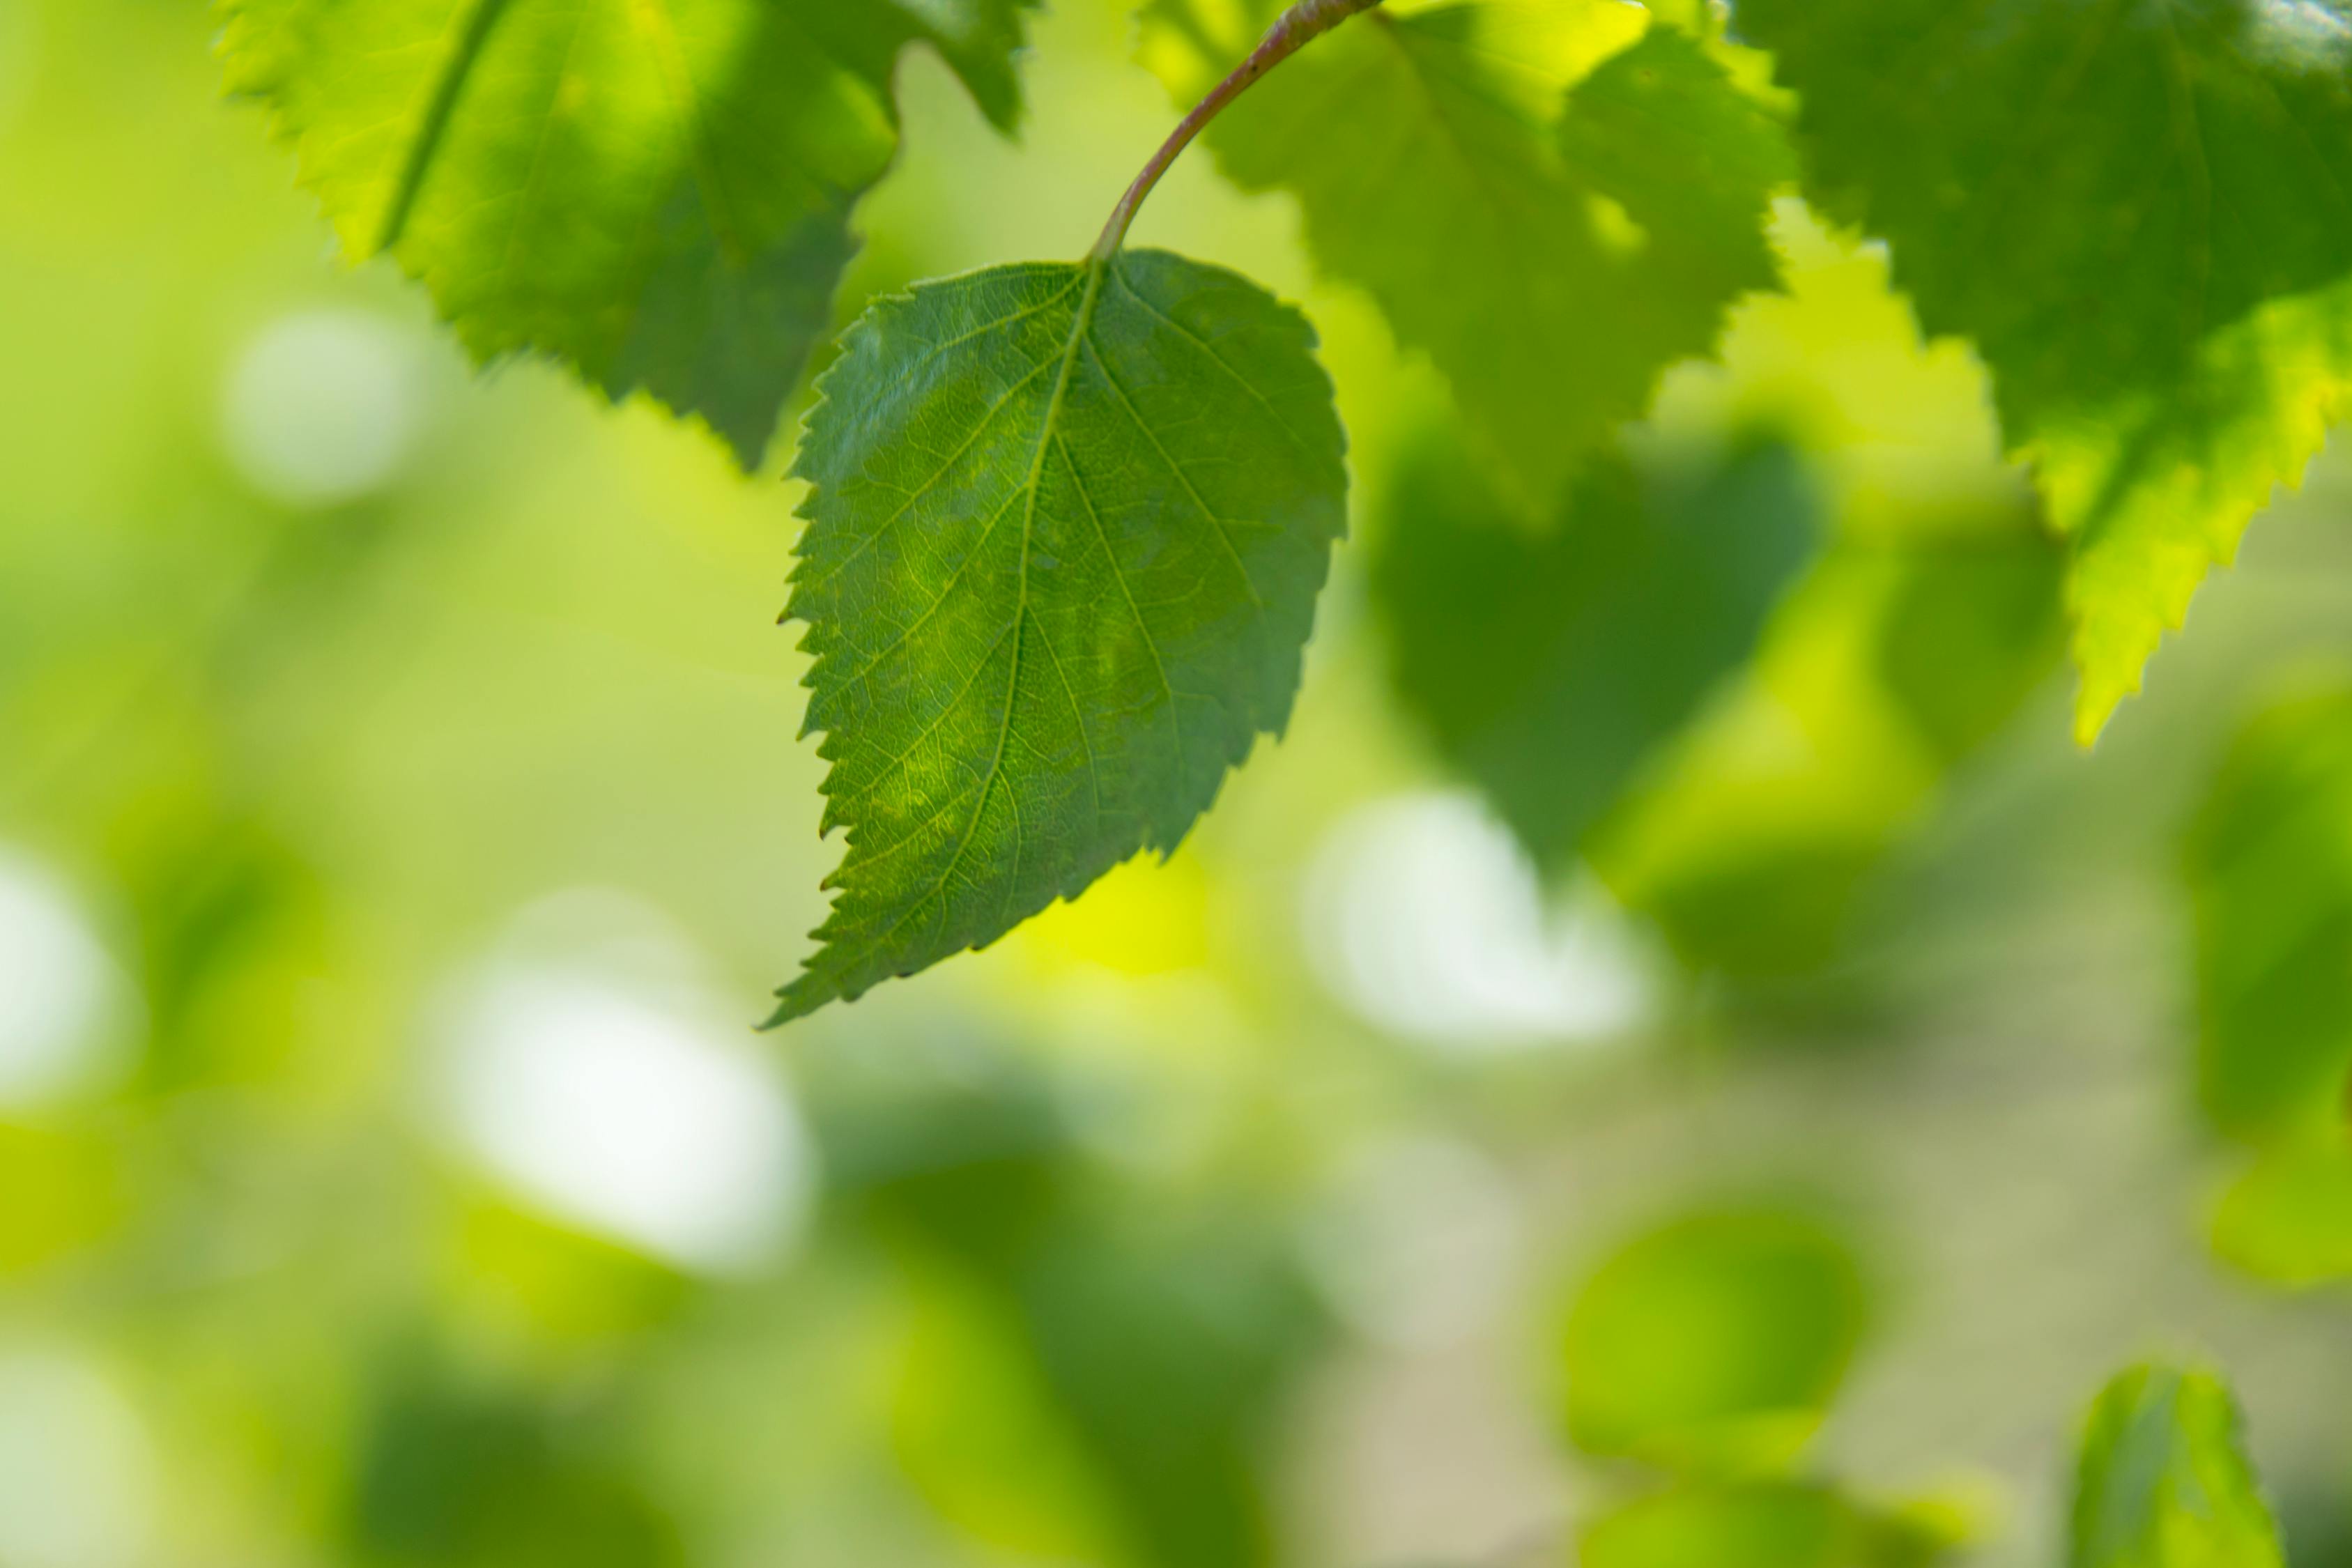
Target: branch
x=1302, y=23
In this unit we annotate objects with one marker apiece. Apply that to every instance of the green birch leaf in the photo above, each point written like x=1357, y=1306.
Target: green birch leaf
x=2136, y=209
x=1551, y=264
x=1548, y=665
x=1066, y=529
x=2163, y=1481
x=656, y=192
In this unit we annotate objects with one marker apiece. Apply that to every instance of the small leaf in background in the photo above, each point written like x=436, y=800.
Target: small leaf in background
x=1086, y=1382
x=658, y=194
x=2270, y=871
x=464, y=1477
x=1548, y=665
x=1759, y=1524
x=2163, y=1481
x=1925, y=623
x=1754, y=841
x=2135, y=210
x=1550, y=265
x=2287, y=1218
x=1065, y=534
x=1715, y=1341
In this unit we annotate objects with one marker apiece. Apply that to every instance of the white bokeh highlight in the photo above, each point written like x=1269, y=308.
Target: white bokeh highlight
x=598, y=1088
x=1419, y=1245
x=1425, y=919
x=78, y=1486
x=66, y=1006
x=323, y=406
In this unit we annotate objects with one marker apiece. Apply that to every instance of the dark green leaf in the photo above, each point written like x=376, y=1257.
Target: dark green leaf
x=1067, y=528
x=656, y=192
x=2164, y=1481
x=1549, y=664
x=2138, y=210
x=1551, y=265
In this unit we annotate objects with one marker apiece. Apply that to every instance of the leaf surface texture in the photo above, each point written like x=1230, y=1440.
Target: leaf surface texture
x=1066, y=529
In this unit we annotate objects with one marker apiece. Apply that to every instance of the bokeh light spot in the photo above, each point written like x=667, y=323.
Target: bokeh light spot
x=618, y=1106
x=1425, y=918
x=1419, y=1244
x=63, y=1001
x=323, y=406
x=77, y=1484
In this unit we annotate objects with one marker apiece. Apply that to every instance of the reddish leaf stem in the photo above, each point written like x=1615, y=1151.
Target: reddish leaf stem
x=1291, y=32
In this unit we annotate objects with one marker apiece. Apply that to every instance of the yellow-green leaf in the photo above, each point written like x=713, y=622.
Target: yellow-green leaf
x=2163, y=1481
x=2138, y=210
x=1551, y=203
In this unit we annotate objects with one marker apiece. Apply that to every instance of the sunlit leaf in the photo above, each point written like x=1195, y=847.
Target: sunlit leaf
x=1067, y=531
x=656, y=192
x=1550, y=265
x=2163, y=1481
x=2136, y=210
x=2287, y=1218
x=1756, y=1524
x=1549, y=664
x=1716, y=1341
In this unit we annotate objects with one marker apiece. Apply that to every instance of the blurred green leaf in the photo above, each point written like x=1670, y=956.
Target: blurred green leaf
x=1715, y=1341
x=1550, y=266
x=658, y=195
x=2134, y=209
x=1549, y=667
x=1884, y=671
x=1760, y=1524
x=67, y=1191
x=2287, y=1219
x=1090, y=1378
x=2163, y=1481
x=461, y=1477
x=1065, y=534
x=2270, y=871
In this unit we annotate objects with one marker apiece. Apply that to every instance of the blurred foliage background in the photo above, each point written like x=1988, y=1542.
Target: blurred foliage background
x=402, y=823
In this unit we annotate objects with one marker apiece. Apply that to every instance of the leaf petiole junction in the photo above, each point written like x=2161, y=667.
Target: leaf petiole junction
x=1292, y=31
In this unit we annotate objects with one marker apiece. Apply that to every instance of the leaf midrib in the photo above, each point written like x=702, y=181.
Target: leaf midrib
x=482, y=20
